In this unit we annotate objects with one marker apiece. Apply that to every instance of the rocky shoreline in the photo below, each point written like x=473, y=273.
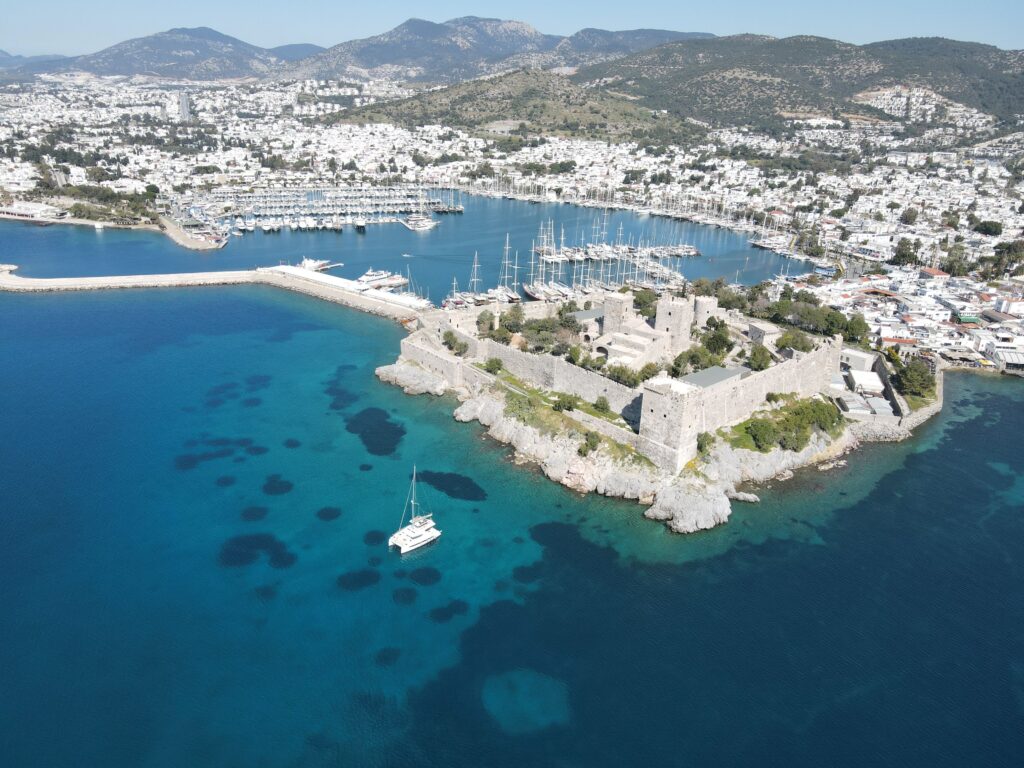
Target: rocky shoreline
x=695, y=500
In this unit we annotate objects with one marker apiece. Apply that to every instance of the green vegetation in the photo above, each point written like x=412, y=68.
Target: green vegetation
x=760, y=81
x=760, y=358
x=694, y=359
x=794, y=338
x=590, y=443
x=453, y=343
x=993, y=228
x=1008, y=259
x=601, y=405
x=628, y=377
x=705, y=440
x=789, y=427
x=915, y=379
x=493, y=365
x=538, y=102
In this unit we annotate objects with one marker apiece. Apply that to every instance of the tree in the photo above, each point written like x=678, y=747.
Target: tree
x=795, y=339
x=909, y=216
x=856, y=328
x=649, y=371
x=704, y=442
x=916, y=378
x=565, y=402
x=904, y=253
x=993, y=228
x=717, y=341
x=764, y=434
x=760, y=358
x=493, y=365
x=485, y=322
x=601, y=405
x=590, y=443
x=512, y=320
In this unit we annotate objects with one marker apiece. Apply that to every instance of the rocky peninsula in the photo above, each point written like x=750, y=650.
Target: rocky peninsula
x=698, y=498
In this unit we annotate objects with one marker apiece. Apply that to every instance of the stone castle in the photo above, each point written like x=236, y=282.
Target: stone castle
x=665, y=414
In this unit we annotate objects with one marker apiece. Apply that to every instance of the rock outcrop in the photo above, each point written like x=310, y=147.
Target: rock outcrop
x=689, y=502
x=413, y=379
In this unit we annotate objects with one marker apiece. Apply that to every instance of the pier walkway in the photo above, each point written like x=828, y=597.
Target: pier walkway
x=327, y=287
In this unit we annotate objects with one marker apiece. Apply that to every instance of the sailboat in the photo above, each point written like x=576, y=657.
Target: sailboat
x=420, y=530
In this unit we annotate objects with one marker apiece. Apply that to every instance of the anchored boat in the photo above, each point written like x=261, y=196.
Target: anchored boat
x=420, y=530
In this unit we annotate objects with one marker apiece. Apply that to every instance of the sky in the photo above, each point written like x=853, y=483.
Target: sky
x=64, y=28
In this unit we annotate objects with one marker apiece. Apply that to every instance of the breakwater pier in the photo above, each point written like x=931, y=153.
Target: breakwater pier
x=351, y=293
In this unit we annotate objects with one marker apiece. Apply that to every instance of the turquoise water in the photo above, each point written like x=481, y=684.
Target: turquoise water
x=196, y=484
x=435, y=257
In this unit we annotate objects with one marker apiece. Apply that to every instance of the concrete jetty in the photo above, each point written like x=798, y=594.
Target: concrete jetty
x=339, y=290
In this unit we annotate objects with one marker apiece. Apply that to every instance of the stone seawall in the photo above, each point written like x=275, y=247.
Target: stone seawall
x=337, y=292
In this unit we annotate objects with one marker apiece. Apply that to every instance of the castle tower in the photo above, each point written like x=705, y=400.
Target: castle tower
x=618, y=311
x=704, y=308
x=675, y=317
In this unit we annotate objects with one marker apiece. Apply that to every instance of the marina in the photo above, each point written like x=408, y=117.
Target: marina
x=431, y=259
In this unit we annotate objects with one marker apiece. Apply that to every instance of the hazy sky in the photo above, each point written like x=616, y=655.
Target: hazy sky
x=66, y=27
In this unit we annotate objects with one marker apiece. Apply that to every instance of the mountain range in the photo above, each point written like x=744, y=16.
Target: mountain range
x=752, y=78
x=469, y=47
x=10, y=61
x=416, y=50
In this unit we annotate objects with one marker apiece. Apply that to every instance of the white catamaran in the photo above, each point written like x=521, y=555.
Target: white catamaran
x=421, y=529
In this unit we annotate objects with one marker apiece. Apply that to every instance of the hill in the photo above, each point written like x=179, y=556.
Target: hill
x=750, y=79
x=198, y=53
x=468, y=47
x=10, y=61
x=296, y=51
x=542, y=101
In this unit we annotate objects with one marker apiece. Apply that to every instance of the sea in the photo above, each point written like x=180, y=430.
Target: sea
x=196, y=487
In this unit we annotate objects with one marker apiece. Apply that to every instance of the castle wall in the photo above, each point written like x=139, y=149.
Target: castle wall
x=674, y=413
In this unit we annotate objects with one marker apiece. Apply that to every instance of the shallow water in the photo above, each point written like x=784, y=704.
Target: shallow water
x=157, y=615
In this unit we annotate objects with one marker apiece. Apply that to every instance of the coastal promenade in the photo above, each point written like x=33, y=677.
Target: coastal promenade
x=326, y=287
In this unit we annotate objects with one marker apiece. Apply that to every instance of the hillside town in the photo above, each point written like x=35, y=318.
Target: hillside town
x=921, y=228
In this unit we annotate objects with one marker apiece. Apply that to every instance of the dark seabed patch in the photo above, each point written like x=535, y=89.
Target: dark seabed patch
x=221, y=389
x=251, y=514
x=266, y=593
x=386, y=657
x=214, y=402
x=257, y=381
x=373, y=538
x=256, y=450
x=379, y=434
x=400, y=573
x=251, y=402
x=446, y=613
x=291, y=442
x=353, y=580
x=341, y=398
x=275, y=486
x=225, y=480
x=453, y=485
x=328, y=513
x=374, y=561
x=365, y=467
x=527, y=574
x=246, y=550
x=404, y=595
x=188, y=461
x=425, y=576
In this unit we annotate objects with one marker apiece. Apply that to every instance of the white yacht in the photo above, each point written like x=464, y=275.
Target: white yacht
x=420, y=530
x=419, y=222
x=379, y=278
x=315, y=265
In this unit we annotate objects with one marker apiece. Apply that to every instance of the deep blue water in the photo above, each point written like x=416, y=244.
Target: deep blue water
x=195, y=489
x=436, y=256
